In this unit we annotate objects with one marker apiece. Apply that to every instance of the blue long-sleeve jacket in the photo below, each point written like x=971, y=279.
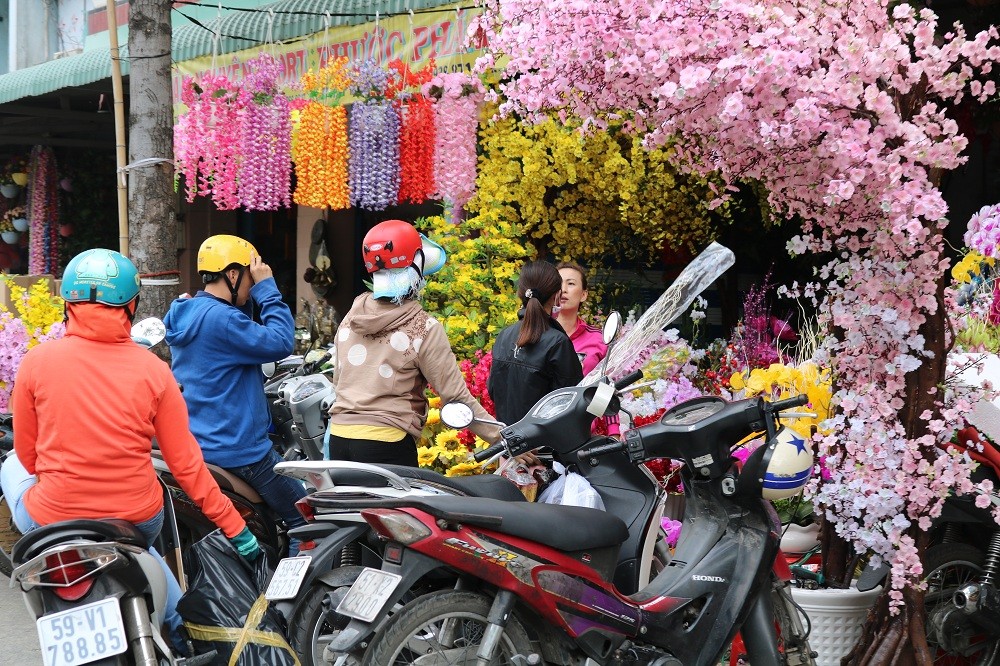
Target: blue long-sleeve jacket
x=217, y=352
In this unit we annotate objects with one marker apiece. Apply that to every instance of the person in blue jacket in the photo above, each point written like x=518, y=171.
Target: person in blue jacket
x=217, y=351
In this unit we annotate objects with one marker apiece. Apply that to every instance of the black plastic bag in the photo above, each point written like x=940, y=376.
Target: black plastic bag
x=224, y=608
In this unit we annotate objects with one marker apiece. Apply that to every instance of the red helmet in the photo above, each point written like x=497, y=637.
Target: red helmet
x=390, y=244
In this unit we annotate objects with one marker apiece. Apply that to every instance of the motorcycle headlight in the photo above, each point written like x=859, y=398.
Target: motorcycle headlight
x=554, y=405
x=307, y=389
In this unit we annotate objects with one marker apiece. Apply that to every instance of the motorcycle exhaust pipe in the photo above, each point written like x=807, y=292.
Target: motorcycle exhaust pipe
x=981, y=603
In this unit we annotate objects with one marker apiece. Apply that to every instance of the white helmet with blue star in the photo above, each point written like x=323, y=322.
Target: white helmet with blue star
x=789, y=465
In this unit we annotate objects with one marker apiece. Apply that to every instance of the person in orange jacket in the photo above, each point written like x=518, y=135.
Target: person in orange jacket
x=86, y=408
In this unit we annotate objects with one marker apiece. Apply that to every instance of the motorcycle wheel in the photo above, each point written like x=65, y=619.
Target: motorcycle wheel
x=413, y=635
x=316, y=622
x=954, y=641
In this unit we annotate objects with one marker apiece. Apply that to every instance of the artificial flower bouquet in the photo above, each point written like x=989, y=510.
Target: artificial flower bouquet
x=18, y=165
x=976, y=304
x=11, y=214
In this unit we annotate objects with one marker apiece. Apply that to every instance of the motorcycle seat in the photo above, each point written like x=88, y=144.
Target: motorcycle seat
x=226, y=479
x=566, y=528
x=105, y=529
x=477, y=485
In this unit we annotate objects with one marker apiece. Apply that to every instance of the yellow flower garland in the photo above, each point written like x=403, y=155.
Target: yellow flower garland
x=319, y=142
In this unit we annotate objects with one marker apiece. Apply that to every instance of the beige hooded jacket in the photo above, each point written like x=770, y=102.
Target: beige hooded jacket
x=387, y=354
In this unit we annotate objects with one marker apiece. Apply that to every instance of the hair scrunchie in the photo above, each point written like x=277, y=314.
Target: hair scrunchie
x=529, y=293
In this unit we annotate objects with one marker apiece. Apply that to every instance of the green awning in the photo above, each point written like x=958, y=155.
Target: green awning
x=66, y=72
x=239, y=29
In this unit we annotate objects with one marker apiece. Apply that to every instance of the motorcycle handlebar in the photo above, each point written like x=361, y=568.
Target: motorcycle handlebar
x=628, y=380
x=488, y=453
x=788, y=403
x=599, y=450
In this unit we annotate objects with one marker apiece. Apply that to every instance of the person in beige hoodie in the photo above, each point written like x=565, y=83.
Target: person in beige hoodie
x=388, y=350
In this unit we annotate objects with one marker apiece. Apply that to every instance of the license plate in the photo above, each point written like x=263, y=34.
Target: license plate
x=287, y=578
x=368, y=594
x=83, y=634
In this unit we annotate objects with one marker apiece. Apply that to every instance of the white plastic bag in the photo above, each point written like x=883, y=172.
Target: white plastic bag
x=571, y=489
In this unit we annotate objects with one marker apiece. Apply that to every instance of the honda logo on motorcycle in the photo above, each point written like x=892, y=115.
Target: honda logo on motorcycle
x=709, y=579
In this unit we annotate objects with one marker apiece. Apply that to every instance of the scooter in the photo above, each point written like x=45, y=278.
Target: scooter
x=962, y=562
x=96, y=593
x=337, y=561
x=537, y=581
x=300, y=395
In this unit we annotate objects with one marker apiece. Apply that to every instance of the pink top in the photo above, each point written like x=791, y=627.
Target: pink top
x=589, y=344
x=588, y=341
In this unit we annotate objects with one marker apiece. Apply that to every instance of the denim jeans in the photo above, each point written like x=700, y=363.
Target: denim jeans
x=15, y=481
x=280, y=492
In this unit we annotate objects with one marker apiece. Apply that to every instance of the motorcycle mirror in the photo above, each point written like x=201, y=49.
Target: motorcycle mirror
x=149, y=332
x=611, y=327
x=457, y=415
x=268, y=369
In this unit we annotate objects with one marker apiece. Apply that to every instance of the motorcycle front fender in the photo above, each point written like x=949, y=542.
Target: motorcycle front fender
x=412, y=568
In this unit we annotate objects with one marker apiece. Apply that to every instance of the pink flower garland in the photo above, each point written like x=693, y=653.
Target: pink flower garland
x=456, y=119
x=43, y=213
x=206, y=148
x=265, y=132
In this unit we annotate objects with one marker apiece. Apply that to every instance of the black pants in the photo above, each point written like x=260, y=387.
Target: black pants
x=403, y=452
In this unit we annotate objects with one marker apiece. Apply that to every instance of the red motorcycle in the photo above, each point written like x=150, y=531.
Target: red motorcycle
x=536, y=581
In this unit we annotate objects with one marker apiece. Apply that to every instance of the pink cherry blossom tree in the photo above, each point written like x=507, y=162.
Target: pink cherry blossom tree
x=839, y=107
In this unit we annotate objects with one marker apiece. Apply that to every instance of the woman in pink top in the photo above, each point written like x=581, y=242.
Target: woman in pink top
x=587, y=340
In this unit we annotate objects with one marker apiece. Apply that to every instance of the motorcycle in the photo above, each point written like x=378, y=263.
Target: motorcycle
x=300, y=395
x=962, y=601
x=96, y=593
x=339, y=559
x=538, y=582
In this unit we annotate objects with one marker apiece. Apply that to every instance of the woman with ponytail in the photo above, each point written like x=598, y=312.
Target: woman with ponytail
x=533, y=356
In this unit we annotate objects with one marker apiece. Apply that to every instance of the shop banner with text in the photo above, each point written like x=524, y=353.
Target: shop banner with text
x=438, y=34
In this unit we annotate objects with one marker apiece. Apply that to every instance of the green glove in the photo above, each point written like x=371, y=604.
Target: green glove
x=246, y=544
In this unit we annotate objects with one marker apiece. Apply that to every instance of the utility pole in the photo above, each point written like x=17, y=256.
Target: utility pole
x=152, y=203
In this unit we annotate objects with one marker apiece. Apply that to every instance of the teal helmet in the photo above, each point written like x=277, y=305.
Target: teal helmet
x=100, y=276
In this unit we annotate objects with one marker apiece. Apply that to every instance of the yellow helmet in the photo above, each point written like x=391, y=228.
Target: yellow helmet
x=218, y=252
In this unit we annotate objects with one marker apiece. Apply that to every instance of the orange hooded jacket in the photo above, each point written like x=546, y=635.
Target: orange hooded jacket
x=86, y=408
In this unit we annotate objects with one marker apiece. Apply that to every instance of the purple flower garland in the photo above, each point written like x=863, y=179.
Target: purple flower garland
x=374, y=155
x=266, y=138
x=373, y=136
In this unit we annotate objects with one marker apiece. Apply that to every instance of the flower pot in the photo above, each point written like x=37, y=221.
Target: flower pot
x=10, y=236
x=65, y=230
x=836, y=616
x=796, y=539
x=19, y=178
x=20, y=224
x=10, y=190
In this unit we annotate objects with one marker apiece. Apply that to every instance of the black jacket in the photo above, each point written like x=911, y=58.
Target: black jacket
x=520, y=376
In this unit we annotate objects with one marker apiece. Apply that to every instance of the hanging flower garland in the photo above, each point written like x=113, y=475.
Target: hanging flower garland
x=265, y=174
x=206, y=140
x=319, y=146
x=416, y=137
x=43, y=213
x=456, y=116
x=416, y=150
x=374, y=137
